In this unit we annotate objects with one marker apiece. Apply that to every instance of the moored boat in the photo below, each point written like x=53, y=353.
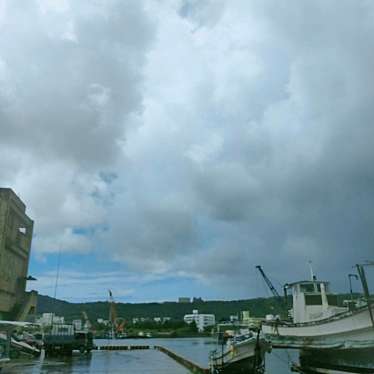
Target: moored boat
x=243, y=353
x=318, y=322
x=321, y=328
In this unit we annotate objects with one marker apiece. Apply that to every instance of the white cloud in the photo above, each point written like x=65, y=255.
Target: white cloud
x=237, y=131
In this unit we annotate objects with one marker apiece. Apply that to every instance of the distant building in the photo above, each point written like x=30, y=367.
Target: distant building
x=246, y=319
x=245, y=316
x=202, y=320
x=77, y=323
x=157, y=319
x=16, y=230
x=234, y=318
x=102, y=321
x=47, y=319
x=184, y=300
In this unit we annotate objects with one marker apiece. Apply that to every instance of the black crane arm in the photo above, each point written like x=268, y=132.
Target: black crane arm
x=268, y=282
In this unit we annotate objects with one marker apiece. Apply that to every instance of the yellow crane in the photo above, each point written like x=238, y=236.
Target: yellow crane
x=117, y=323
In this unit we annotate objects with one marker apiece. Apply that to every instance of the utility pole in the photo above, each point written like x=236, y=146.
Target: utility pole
x=112, y=313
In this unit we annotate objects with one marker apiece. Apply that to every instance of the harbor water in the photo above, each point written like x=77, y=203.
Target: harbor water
x=140, y=361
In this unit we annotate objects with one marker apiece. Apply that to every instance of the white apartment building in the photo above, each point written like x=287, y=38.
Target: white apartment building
x=202, y=320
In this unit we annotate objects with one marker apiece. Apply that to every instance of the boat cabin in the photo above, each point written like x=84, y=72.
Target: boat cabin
x=312, y=301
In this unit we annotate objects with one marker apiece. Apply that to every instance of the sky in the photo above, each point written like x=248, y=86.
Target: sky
x=164, y=148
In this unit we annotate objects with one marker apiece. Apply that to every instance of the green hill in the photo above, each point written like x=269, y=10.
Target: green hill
x=222, y=309
x=258, y=307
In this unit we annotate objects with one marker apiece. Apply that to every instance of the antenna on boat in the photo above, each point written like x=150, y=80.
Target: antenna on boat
x=312, y=275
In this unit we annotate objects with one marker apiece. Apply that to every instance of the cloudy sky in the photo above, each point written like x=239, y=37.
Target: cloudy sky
x=166, y=147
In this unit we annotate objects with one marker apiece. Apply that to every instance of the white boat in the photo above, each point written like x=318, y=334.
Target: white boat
x=319, y=323
x=243, y=353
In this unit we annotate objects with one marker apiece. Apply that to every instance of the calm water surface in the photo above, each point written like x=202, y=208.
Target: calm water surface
x=146, y=361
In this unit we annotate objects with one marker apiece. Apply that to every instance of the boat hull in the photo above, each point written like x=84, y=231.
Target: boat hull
x=350, y=330
x=246, y=365
x=346, y=360
x=244, y=357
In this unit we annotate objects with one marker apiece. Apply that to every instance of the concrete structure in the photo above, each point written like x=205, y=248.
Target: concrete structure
x=202, y=320
x=16, y=230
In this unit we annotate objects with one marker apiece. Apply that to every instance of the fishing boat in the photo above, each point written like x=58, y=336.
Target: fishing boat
x=240, y=353
x=318, y=322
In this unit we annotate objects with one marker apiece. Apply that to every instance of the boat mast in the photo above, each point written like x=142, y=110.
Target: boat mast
x=312, y=275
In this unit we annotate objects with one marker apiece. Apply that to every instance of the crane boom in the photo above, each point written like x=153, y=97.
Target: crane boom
x=268, y=282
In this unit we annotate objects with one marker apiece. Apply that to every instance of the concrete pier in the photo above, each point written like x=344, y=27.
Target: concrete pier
x=122, y=347
x=188, y=364
x=195, y=368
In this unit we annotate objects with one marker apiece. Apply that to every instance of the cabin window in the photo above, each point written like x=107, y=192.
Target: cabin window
x=332, y=299
x=308, y=287
x=313, y=300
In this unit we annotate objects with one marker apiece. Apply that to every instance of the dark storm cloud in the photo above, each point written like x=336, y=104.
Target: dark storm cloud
x=248, y=126
x=277, y=156
x=73, y=79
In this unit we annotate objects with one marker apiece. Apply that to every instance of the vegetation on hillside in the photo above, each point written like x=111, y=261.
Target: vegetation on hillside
x=258, y=307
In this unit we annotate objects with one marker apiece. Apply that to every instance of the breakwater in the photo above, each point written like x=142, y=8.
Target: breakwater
x=195, y=368
x=188, y=364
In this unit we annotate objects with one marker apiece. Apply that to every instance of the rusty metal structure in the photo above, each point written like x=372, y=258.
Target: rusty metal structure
x=16, y=230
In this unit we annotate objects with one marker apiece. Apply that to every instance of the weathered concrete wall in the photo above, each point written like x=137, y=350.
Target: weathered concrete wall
x=15, y=242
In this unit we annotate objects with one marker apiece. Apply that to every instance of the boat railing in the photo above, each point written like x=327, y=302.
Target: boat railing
x=334, y=317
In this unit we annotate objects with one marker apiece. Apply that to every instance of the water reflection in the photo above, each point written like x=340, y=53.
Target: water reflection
x=137, y=362
x=195, y=349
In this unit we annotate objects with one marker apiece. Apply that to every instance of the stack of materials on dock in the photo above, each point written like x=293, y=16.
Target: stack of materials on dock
x=63, y=339
x=11, y=346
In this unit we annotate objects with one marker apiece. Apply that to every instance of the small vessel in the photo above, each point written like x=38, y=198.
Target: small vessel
x=318, y=322
x=240, y=353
